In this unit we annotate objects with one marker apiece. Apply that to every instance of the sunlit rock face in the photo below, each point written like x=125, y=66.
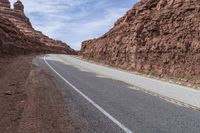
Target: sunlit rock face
x=15, y=15
x=19, y=19
x=155, y=36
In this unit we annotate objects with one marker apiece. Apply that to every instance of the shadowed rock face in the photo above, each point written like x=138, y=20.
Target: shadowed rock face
x=14, y=42
x=17, y=17
x=155, y=36
x=4, y=4
x=18, y=6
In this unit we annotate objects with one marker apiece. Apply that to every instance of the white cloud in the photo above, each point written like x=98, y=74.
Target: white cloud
x=73, y=21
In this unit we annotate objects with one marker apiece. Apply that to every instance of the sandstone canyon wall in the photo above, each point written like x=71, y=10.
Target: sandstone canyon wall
x=19, y=37
x=160, y=37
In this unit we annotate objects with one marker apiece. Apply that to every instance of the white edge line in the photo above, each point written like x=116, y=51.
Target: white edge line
x=92, y=102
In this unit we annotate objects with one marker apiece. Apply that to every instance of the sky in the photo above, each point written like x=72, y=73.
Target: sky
x=74, y=21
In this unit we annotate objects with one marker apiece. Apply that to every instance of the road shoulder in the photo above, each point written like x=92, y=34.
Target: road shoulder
x=177, y=94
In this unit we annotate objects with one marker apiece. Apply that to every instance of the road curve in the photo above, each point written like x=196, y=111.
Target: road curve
x=103, y=104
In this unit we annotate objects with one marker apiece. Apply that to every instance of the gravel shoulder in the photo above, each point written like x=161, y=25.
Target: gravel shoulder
x=29, y=100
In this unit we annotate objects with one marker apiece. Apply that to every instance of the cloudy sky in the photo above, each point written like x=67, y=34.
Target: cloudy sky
x=74, y=21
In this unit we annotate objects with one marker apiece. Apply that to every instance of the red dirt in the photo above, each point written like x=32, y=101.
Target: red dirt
x=29, y=101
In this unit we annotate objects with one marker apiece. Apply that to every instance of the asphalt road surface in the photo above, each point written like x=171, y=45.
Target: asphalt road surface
x=99, y=104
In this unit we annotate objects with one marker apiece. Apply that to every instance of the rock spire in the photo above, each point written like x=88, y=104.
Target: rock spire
x=18, y=6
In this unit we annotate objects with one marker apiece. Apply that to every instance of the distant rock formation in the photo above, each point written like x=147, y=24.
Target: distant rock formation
x=18, y=6
x=160, y=37
x=18, y=18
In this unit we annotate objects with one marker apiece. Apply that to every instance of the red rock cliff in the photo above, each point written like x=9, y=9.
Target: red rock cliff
x=22, y=24
x=156, y=36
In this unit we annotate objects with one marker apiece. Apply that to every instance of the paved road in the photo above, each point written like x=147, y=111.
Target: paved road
x=101, y=104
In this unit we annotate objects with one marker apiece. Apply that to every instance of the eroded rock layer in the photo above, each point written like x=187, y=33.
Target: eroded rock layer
x=14, y=42
x=18, y=21
x=160, y=37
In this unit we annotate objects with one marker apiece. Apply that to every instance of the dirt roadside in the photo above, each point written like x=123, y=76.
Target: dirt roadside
x=29, y=101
